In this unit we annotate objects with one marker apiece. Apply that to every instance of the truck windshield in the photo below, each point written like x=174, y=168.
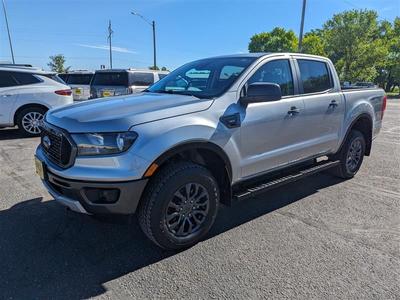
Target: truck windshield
x=206, y=78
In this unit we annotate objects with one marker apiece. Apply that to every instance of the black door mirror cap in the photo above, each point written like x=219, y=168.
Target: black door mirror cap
x=262, y=92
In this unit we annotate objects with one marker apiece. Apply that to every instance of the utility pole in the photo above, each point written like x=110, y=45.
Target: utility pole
x=302, y=26
x=154, y=45
x=153, y=25
x=110, y=32
x=8, y=31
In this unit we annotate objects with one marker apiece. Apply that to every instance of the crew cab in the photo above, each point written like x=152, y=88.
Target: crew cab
x=217, y=130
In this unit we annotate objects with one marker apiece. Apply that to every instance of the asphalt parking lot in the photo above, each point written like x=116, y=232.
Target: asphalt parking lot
x=318, y=238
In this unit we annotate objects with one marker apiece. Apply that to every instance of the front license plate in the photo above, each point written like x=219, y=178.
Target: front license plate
x=39, y=168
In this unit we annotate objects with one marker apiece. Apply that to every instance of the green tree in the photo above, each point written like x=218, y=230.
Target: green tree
x=313, y=43
x=57, y=62
x=352, y=42
x=277, y=40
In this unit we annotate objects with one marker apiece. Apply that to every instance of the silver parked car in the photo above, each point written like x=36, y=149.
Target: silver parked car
x=79, y=81
x=217, y=130
x=116, y=82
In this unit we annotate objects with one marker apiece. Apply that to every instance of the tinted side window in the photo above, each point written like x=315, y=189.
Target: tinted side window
x=142, y=78
x=161, y=76
x=6, y=79
x=63, y=76
x=276, y=71
x=314, y=75
x=79, y=78
x=111, y=78
x=25, y=78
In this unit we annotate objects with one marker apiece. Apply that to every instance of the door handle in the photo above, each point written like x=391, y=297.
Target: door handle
x=293, y=111
x=333, y=103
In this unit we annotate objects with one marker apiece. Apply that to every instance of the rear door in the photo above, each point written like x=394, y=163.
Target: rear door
x=8, y=97
x=324, y=105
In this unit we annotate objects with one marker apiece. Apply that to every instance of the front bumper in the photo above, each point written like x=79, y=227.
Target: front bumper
x=80, y=193
x=73, y=194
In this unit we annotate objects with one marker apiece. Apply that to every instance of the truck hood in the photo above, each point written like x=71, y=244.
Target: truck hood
x=118, y=114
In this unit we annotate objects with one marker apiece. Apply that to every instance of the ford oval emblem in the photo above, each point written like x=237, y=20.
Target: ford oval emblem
x=46, y=142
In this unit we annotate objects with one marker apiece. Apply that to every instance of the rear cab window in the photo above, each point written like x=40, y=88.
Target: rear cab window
x=314, y=76
x=111, y=79
x=83, y=79
x=141, y=78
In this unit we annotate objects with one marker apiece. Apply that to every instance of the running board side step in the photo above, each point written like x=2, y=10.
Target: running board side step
x=276, y=182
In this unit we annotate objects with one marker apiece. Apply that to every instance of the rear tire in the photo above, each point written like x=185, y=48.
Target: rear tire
x=351, y=155
x=179, y=206
x=28, y=120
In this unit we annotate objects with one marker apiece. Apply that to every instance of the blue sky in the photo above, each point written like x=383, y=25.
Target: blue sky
x=186, y=29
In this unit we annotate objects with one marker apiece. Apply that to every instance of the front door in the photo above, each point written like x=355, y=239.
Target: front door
x=271, y=132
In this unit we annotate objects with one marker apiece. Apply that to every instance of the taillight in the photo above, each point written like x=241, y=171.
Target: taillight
x=384, y=104
x=64, y=92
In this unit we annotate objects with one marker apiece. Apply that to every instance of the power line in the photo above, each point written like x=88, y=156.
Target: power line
x=351, y=4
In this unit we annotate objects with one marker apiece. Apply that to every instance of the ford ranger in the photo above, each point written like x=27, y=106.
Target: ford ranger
x=213, y=131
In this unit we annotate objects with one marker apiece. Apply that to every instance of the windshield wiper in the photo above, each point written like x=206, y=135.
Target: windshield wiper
x=182, y=93
x=173, y=92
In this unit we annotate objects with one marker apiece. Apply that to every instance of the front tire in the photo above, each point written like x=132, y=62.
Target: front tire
x=179, y=206
x=351, y=155
x=29, y=119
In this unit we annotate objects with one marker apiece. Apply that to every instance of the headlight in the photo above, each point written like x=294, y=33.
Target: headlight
x=103, y=143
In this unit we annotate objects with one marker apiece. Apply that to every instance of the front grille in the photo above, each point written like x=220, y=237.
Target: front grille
x=57, y=146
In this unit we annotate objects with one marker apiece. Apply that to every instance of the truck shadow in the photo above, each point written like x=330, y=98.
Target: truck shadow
x=12, y=134
x=49, y=252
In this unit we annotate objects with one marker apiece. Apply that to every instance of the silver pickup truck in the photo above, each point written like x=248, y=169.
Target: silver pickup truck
x=216, y=130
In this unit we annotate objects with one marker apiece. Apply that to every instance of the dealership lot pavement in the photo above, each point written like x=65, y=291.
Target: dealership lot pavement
x=318, y=238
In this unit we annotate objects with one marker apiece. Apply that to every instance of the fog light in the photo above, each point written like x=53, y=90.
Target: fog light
x=102, y=196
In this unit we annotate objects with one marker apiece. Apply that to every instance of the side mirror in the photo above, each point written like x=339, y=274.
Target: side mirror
x=262, y=92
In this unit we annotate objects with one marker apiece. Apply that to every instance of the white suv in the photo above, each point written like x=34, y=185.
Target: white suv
x=26, y=94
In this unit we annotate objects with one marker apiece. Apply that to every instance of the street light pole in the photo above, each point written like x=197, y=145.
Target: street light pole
x=154, y=46
x=302, y=26
x=153, y=25
x=8, y=31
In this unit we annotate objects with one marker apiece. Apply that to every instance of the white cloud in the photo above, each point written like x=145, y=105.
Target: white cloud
x=106, y=47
